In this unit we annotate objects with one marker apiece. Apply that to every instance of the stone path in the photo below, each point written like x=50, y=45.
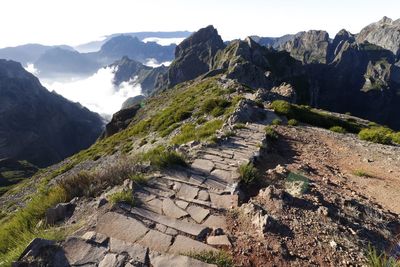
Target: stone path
x=180, y=211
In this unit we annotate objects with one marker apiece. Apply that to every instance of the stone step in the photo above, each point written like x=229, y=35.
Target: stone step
x=184, y=245
x=185, y=227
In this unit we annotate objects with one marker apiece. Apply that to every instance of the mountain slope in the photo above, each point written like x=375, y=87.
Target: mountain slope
x=37, y=125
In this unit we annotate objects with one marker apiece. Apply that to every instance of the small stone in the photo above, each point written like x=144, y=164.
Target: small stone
x=220, y=240
x=181, y=204
x=170, y=209
x=197, y=213
x=187, y=192
x=333, y=244
x=156, y=241
x=95, y=237
x=323, y=210
x=112, y=260
x=203, y=165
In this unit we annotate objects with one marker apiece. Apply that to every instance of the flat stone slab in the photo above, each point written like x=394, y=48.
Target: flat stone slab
x=94, y=237
x=188, y=228
x=216, y=221
x=222, y=175
x=187, y=191
x=213, y=157
x=203, y=165
x=79, y=252
x=203, y=195
x=224, y=201
x=197, y=213
x=156, y=240
x=214, y=184
x=177, y=261
x=182, y=204
x=170, y=209
x=196, y=179
x=154, y=205
x=112, y=260
x=121, y=227
x=137, y=252
x=183, y=245
x=219, y=240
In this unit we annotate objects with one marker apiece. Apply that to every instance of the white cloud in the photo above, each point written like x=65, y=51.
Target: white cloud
x=30, y=67
x=164, y=41
x=97, y=92
x=152, y=62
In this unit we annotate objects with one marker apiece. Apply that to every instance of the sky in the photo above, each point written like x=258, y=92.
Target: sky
x=74, y=22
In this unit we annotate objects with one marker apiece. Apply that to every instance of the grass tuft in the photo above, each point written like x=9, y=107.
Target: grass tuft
x=161, y=157
x=248, y=173
x=220, y=258
x=122, y=196
x=338, y=129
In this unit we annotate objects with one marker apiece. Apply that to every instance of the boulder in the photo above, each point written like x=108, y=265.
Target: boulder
x=59, y=212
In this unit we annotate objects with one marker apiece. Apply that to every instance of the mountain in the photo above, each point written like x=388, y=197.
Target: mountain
x=37, y=125
x=384, y=33
x=28, y=53
x=95, y=46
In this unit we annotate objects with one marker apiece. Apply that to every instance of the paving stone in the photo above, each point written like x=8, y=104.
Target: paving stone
x=203, y=165
x=214, y=184
x=216, y=221
x=212, y=157
x=161, y=227
x=137, y=252
x=183, y=244
x=225, y=167
x=160, y=193
x=222, y=174
x=177, y=261
x=92, y=236
x=156, y=240
x=121, y=227
x=188, y=192
x=219, y=240
x=224, y=201
x=154, y=205
x=112, y=260
x=170, y=209
x=182, y=204
x=196, y=179
x=188, y=228
x=197, y=213
x=171, y=231
x=79, y=252
x=203, y=195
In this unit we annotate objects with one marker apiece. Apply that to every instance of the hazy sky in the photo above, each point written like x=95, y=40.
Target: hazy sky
x=78, y=21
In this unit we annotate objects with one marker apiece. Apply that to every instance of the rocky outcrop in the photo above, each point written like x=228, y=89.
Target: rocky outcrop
x=308, y=47
x=120, y=120
x=384, y=33
x=194, y=56
x=37, y=125
x=340, y=39
x=133, y=101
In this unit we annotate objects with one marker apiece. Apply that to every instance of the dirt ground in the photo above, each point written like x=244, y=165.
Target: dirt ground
x=342, y=213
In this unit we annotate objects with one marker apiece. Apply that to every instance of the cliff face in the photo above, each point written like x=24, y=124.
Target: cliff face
x=385, y=33
x=37, y=125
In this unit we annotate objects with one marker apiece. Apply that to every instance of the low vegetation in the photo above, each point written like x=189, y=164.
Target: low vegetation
x=220, y=258
x=362, y=173
x=314, y=117
x=381, y=135
x=248, y=173
x=293, y=122
x=276, y=122
x=122, y=197
x=161, y=157
x=271, y=133
x=338, y=129
x=375, y=259
x=298, y=183
x=191, y=132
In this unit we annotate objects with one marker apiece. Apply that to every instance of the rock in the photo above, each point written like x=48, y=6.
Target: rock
x=95, y=237
x=120, y=121
x=170, y=209
x=323, y=210
x=135, y=251
x=101, y=202
x=220, y=240
x=203, y=195
x=121, y=227
x=182, y=204
x=128, y=183
x=183, y=244
x=197, y=213
x=247, y=111
x=333, y=244
x=203, y=165
x=284, y=91
x=59, y=212
x=187, y=192
x=79, y=252
x=112, y=260
x=224, y=201
x=156, y=241
x=177, y=261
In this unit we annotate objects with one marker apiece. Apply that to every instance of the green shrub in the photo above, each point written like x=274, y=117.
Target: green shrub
x=161, y=157
x=181, y=115
x=296, y=178
x=362, y=173
x=313, y=117
x=248, y=173
x=293, y=122
x=380, y=260
x=239, y=126
x=396, y=138
x=219, y=258
x=381, y=135
x=215, y=106
x=122, y=196
x=338, y=129
x=271, y=133
x=276, y=122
